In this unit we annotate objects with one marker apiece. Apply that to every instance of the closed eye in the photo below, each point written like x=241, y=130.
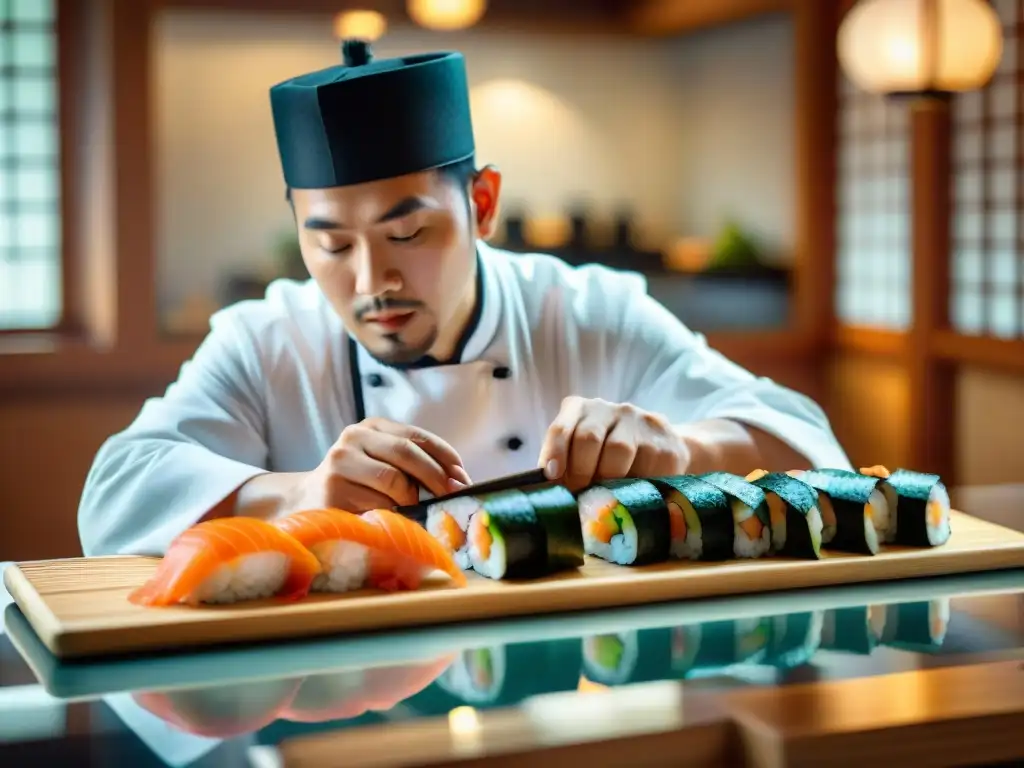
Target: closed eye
x=335, y=251
x=409, y=239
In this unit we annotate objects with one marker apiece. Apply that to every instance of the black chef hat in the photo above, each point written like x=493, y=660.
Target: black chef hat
x=368, y=120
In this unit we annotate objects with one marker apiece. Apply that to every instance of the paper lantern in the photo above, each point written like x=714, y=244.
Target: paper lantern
x=446, y=15
x=362, y=25
x=920, y=46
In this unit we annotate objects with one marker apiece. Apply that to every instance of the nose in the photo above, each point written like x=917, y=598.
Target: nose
x=374, y=274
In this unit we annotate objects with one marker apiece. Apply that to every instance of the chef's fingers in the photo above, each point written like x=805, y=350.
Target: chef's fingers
x=440, y=450
x=585, y=448
x=555, y=451
x=410, y=459
x=618, y=452
x=654, y=458
x=384, y=478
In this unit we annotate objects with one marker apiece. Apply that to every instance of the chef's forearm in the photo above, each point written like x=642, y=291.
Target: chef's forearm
x=723, y=445
x=267, y=496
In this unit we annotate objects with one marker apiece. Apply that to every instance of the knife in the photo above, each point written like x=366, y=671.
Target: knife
x=418, y=512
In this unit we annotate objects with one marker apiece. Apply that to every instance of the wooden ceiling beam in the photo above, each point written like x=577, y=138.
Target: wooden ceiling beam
x=665, y=18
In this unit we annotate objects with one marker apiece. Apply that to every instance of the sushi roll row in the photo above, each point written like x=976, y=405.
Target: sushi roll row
x=537, y=531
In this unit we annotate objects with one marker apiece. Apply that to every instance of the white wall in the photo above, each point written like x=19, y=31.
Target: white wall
x=685, y=131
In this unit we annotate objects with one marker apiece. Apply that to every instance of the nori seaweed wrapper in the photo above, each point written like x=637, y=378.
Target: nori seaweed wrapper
x=908, y=626
x=849, y=630
x=559, y=514
x=643, y=501
x=547, y=666
x=514, y=521
x=913, y=490
x=712, y=508
x=794, y=639
x=738, y=488
x=800, y=499
x=717, y=645
x=641, y=656
x=849, y=493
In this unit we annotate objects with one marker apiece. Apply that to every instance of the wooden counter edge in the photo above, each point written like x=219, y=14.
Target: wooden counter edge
x=969, y=714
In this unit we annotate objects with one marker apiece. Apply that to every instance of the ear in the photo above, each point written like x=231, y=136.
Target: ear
x=485, y=192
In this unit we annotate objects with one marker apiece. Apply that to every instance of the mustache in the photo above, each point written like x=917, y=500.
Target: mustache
x=383, y=305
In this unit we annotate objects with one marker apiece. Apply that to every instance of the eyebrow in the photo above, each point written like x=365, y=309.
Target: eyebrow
x=402, y=208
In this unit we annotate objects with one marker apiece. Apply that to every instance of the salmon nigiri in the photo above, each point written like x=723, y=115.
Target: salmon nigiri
x=380, y=549
x=227, y=560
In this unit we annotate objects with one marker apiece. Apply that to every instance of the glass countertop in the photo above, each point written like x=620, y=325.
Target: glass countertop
x=227, y=706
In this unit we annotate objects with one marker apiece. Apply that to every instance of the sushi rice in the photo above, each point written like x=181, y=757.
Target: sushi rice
x=249, y=577
x=751, y=538
x=345, y=564
x=608, y=528
x=449, y=522
x=610, y=659
x=477, y=676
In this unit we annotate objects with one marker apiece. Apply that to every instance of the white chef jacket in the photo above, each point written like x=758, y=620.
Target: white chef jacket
x=271, y=388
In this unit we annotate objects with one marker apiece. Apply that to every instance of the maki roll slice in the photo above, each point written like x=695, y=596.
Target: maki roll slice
x=510, y=538
x=795, y=519
x=610, y=659
x=750, y=513
x=855, y=513
x=919, y=626
x=794, y=639
x=556, y=508
x=710, y=648
x=853, y=630
x=625, y=522
x=700, y=518
x=477, y=675
x=922, y=507
x=448, y=522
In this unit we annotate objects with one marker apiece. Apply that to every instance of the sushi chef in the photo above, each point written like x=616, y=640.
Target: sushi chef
x=418, y=358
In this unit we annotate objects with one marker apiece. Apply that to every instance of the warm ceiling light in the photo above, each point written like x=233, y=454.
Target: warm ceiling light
x=446, y=14
x=362, y=25
x=920, y=46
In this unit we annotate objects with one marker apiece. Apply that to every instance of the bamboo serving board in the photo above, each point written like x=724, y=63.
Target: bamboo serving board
x=79, y=607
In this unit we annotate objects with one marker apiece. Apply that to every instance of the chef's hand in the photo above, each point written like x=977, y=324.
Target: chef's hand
x=596, y=440
x=380, y=464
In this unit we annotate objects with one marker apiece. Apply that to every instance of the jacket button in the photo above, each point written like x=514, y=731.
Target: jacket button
x=375, y=380
x=514, y=443
x=502, y=372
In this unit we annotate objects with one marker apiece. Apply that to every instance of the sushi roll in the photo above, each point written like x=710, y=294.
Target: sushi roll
x=380, y=549
x=919, y=626
x=794, y=639
x=611, y=659
x=228, y=560
x=852, y=630
x=750, y=513
x=795, y=519
x=507, y=539
x=922, y=507
x=625, y=522
x=855, y=508
x=713, y=647
x=558, y=513
x=700, y=519
x=448, y=522
x=477, y=675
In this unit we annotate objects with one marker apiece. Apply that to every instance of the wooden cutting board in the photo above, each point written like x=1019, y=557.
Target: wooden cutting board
x=79, y=607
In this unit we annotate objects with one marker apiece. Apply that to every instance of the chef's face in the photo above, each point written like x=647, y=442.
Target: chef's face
x=397, y=258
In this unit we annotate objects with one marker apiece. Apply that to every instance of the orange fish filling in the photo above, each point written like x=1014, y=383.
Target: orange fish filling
x=480, y=534
x=677, y=521
x=876, y=471
x=454, y=537
x=753, y=527
x=602, y=526
x=935, y=514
